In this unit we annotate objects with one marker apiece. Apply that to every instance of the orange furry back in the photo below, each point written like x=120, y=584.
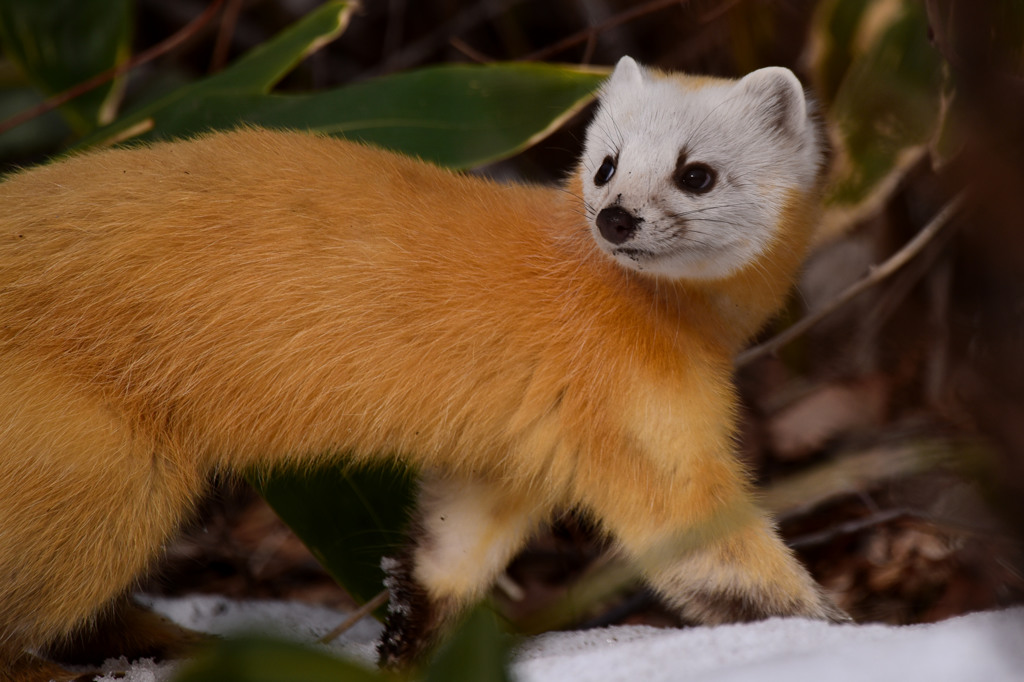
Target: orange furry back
x=285, y=278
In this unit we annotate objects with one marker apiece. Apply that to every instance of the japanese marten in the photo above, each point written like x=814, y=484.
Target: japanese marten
x=253, y=300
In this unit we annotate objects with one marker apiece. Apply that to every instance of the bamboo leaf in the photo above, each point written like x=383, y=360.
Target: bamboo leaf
x=886, y=107
x=348, y=519
x=476, y=652
x=834, y=31
x=264, y=659
x=61, y=43
x=455, y=115
x=253, y=74
x=41, y=134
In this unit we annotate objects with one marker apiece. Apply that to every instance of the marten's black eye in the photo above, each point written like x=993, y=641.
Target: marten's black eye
x=695, y=177
x=605, y=172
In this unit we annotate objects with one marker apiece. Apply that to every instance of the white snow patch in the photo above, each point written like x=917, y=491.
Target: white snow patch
x=290, y=620
x=982, y=646
x=217, y=615
x=987, y=646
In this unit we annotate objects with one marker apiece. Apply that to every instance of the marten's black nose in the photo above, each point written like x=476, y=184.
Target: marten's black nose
x=616, y=224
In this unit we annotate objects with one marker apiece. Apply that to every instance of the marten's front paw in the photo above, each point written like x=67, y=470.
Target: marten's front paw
x=826, y=609
x=719, y=607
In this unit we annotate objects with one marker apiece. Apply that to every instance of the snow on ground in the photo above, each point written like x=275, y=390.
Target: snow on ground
x=981, y=647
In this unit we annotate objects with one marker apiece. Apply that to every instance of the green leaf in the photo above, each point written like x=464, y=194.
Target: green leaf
x=261, y=68
x=834, y=30
x=41, y=135
x=264, y=659
x=349, y=518
x=478, y=651
x=886, y=108
x=950, y=134
x=455, y=115
x=253, y=74
x=61, y=43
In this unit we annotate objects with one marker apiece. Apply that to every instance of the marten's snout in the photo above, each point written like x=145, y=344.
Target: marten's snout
x=616, y=224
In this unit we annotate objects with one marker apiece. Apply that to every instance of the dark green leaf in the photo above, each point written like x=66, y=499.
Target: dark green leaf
x=260, y=69
x=349, y=519
x=458, y=115
x=264, y=659
x=887, y=104
x=835, y=28
x=39, y=136
x=255, y=73
x=61, y=43
x=478, y=651
x=949, y=138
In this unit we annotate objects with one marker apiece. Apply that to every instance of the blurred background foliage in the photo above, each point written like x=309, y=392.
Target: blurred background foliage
x=888, y=439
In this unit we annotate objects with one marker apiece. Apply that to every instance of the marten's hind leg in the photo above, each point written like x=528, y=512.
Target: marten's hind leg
x=19, y=666
x=130, y=630
x=464, y=534
x=86, y=503
x=126, y=629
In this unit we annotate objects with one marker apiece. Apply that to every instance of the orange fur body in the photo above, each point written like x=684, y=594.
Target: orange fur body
x=253, y=300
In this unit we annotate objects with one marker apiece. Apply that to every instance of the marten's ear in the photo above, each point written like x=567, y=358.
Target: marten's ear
x=778, y=99
x=627, y=74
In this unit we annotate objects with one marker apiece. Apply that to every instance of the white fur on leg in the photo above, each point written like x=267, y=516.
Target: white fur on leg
x=470, y=531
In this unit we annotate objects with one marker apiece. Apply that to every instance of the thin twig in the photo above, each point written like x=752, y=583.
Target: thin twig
x=717, y=11
x=99, y=79
x=943, y=523
x=470, y=51
x=510, y=587
x=856, y=472
x=610, y=22
x=393, y=30
x=222, y=46
x=356, y=616
x=588, y=50
x=875, y=275
x=418, y=50
x=847, y=528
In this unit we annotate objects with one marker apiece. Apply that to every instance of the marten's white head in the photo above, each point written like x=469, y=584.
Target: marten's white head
x=689, y=177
